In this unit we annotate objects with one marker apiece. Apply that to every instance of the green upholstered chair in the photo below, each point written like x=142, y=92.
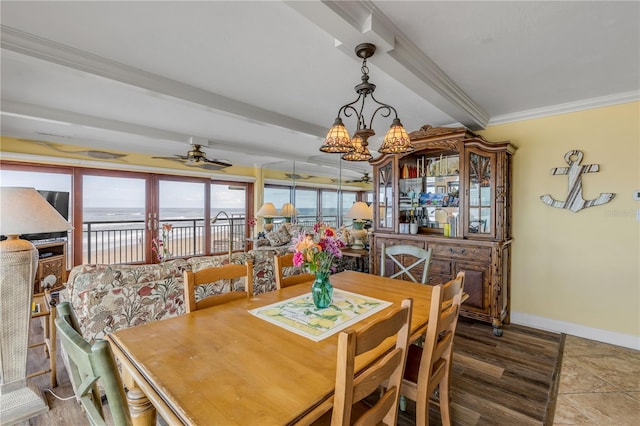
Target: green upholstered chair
x=398, y=253
x=88, y=366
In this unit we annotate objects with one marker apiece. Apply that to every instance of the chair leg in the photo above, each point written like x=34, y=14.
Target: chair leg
x=422, y=412
x=445, y=401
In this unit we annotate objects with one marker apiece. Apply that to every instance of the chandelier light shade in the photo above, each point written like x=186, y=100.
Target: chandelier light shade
x=22, y=211
x=396, y=140
x=337, y=140
x=360, y=145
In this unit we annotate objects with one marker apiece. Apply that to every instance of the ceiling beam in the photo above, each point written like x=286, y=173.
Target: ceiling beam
x=355, y=22
x=37, y=47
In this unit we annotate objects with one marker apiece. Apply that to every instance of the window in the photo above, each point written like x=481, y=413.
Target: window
x=120, y=212
x=182, y=204
x=278, y=195
x=113, y=219
x=306, y=203
x=228, y=209
x=313, y=204
x=329, y=202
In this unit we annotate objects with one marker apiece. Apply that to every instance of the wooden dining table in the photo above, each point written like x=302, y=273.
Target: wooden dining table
x=224, y=365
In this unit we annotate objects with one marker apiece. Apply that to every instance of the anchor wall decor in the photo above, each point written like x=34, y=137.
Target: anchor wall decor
x=574, y=201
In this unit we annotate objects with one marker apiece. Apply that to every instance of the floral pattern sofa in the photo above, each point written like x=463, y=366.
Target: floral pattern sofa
x=107, y=298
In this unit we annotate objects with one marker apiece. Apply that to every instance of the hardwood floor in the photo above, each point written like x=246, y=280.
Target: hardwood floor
x=508, y=380
x=512, y=380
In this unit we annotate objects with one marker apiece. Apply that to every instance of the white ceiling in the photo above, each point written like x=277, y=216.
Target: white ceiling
x=262, y=81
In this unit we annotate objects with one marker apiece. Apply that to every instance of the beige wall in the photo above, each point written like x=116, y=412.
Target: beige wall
x=577, y=268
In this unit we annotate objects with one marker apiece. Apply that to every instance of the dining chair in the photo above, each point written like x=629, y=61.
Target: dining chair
x=90, y=365
x=212, y=274
x=286, y=261
x=351, y=390
x=396, y=254
x=429, y=367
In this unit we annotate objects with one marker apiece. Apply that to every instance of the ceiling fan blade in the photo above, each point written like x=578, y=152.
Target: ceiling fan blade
x=220, y=163
x=297, y=176
x=174, y=157
x=209, y=166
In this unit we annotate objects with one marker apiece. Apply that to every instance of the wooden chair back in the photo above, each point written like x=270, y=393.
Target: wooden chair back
x=90, y=365
x=429, y=367
x=389, y=369
x=286, y=261
x=216, y=273
x=397, y=252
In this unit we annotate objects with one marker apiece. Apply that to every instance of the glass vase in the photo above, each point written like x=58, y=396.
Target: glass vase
x=322, y=291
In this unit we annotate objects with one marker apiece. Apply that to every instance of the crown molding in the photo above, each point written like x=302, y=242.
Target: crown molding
x=602, y=101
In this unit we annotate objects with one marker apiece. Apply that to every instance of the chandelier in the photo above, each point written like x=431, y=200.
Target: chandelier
x=396, y=140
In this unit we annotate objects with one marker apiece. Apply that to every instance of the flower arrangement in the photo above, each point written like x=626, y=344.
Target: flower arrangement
x=317, y=252
x=160, y=246
x=251, y=222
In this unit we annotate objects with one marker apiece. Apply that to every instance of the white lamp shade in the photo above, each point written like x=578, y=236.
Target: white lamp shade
x=25, y=211
x=360, y=210
x=267, y=210
x=288, y=209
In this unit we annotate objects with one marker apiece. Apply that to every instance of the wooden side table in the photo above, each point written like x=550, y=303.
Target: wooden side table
x=47, y=313
x=361, y=255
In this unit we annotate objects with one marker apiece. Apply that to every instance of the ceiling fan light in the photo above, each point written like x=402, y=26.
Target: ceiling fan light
x=396, y=141
x=337, y=140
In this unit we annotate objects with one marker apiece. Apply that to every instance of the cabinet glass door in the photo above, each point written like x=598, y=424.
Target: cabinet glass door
x=385, y=196
x=480, y=193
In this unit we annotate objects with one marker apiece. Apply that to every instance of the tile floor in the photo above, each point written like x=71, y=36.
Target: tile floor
x=599, y=384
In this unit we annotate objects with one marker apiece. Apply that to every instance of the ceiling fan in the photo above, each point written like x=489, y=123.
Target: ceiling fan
x=296, y=176
x=197, y=158
x=93, y=153
x=364, y=179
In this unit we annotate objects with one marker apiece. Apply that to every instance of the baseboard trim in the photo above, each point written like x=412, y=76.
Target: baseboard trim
x=614, y=338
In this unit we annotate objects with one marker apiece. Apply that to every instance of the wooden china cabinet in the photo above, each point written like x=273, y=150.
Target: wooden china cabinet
x=453, y=195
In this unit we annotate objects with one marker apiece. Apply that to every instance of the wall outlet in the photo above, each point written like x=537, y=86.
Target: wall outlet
x=636, y=195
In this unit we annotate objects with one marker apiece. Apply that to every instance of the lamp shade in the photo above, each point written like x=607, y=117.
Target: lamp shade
x=288, y=209
x=267, y=210
x=359, y=210
x=337, y=139
x=396, y=141
x=25, y=211
x=360, y=146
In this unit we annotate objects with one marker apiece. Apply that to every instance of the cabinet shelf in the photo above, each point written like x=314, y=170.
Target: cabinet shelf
x=52, y=263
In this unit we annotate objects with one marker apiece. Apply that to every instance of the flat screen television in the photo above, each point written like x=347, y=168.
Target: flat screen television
x=60, y=201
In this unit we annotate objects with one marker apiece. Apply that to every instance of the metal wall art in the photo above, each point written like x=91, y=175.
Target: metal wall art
x=574, y=201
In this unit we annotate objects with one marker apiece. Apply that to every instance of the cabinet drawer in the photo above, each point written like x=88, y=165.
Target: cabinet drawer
x=478, y=254
x=441, y=267
x=435, y=279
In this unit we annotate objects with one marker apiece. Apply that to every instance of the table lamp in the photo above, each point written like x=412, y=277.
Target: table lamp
x=287, y=211
x=22, y=211
x=267, y=212
x=360, y=213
